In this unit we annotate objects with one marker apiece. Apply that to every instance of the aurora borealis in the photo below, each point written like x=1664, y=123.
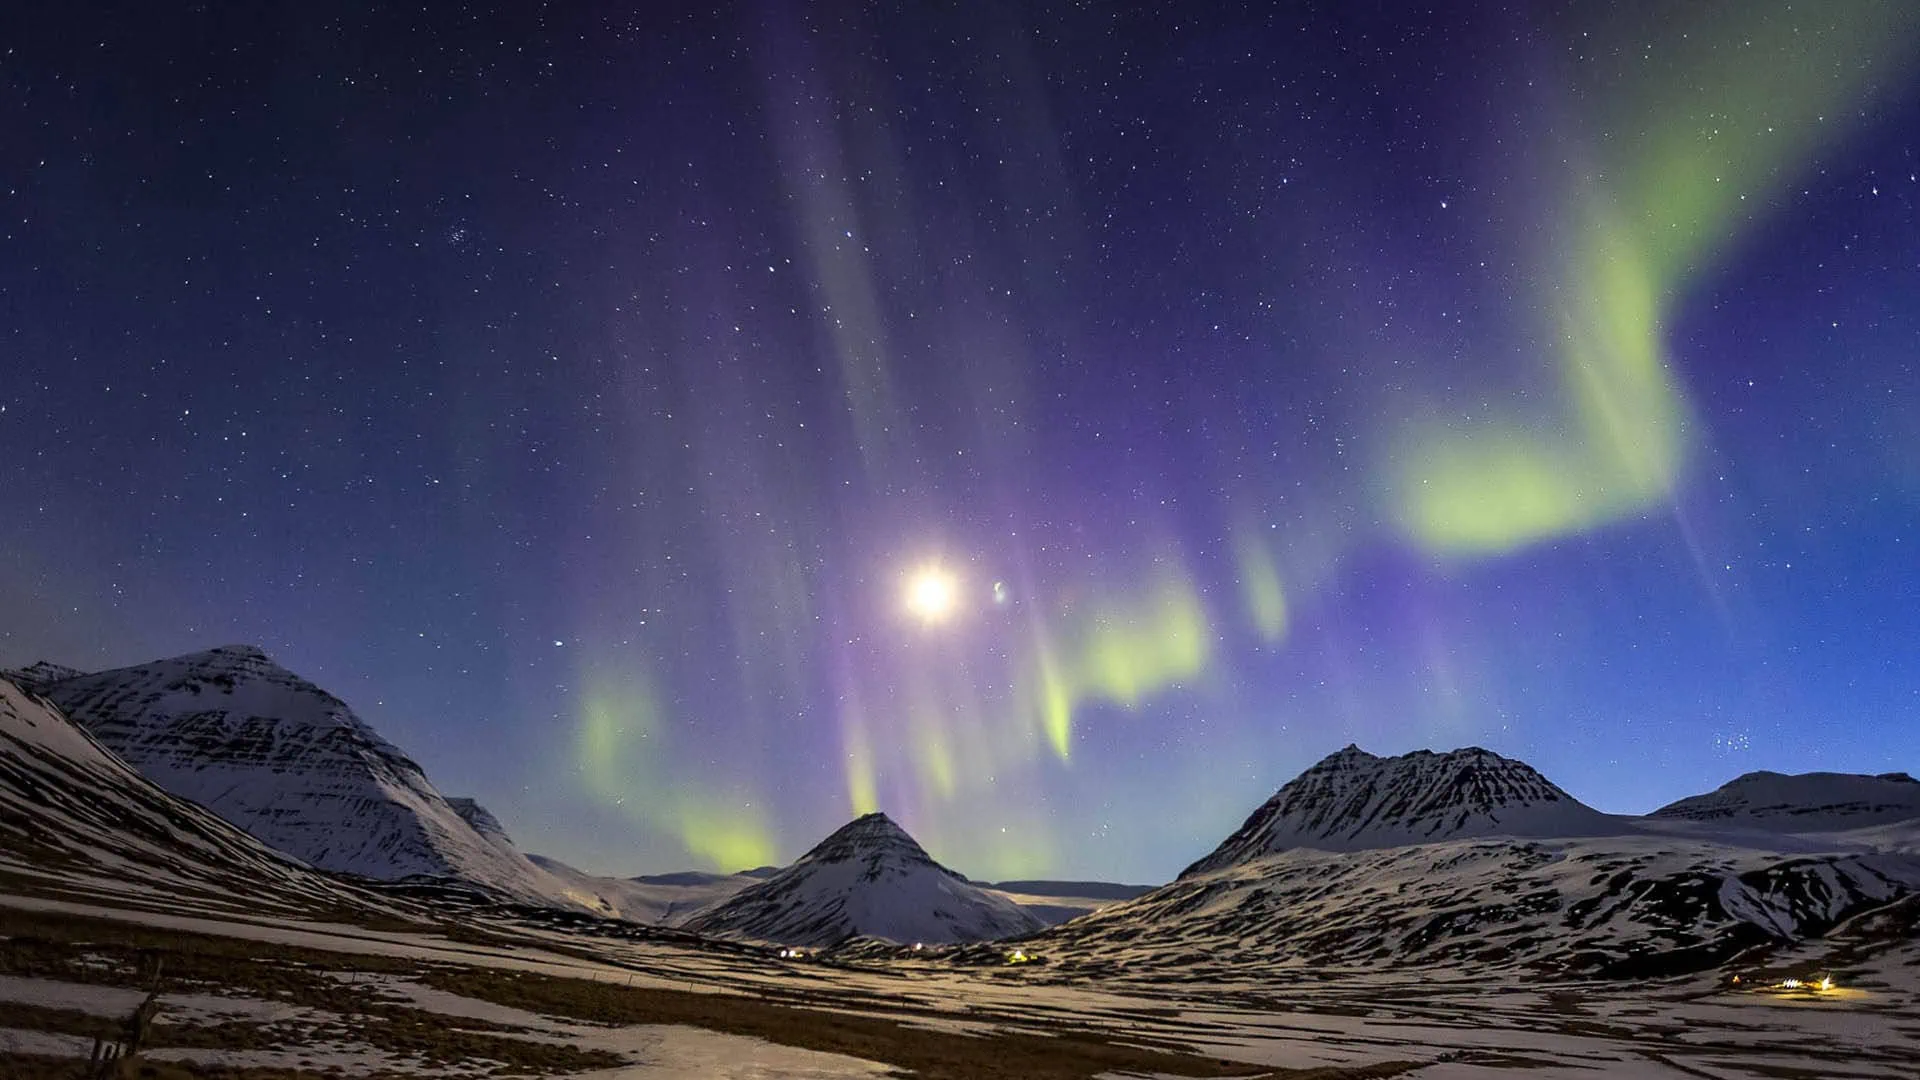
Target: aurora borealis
x=1055, y=425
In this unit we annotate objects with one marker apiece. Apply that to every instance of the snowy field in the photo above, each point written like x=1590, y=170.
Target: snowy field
x=423, y=1004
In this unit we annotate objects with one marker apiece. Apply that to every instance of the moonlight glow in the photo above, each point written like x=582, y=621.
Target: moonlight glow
x=933, y=594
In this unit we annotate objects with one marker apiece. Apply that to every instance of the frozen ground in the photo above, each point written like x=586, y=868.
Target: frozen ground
x=1867, y=1029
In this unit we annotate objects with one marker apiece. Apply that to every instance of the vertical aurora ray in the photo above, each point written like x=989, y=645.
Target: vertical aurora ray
x=1263, y=595
x=833, y=229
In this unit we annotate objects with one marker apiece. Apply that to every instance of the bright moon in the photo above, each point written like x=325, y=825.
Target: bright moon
x=933, y=594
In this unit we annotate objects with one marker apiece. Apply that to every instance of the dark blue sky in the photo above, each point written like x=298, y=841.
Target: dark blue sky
x=581, y=392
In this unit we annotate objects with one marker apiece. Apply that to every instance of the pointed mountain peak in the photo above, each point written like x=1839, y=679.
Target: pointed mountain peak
x=1347, y=757
x=1352, y=800
x=873, y=835
x=868, y=878
x=236, y=679
x=876, y=824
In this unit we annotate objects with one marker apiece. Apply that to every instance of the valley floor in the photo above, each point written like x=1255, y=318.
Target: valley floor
x=258, y=998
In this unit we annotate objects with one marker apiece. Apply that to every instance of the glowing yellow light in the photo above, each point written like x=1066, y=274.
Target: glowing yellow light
x=933, y=594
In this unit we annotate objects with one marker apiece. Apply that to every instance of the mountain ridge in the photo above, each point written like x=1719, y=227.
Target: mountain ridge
x=294, y=766
x=1486, y=866
x=1811, y=802
x=75, y=815
x=1351, y=800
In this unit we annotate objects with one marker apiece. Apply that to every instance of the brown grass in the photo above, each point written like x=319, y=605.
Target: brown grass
x=52, y=946
x=930, y=1055
x=47, y=945
x=58, y=1021
x=37, y=1067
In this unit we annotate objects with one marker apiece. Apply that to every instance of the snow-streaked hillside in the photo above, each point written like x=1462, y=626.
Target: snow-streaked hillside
x=870, y=879
x=1818, y=802
x=1354, y=801
x=292, y=765
x=73, y=814
x=1469, y=861
x=1611, y=906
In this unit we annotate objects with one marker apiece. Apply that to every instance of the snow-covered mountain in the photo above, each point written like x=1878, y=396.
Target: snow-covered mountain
x=1354, y=801
x=704, y=878
x=38, y=674
x=663, y=900
x=1054, y=902
x=1817, y=802
x=75, y=817
x=1468, y=861
x=292, y=765
x=1074, y=890
x=871, y=879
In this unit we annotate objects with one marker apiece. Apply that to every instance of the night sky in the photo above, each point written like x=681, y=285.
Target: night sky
x=1053, y=424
